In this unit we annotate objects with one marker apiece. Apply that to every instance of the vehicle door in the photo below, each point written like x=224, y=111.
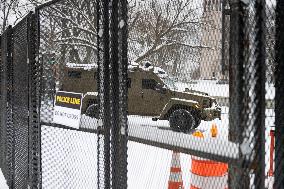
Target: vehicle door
x=134, y=94
x=153, y=96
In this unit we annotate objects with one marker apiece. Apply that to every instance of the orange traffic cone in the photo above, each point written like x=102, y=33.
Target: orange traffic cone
x=270, y=172
x=198, y=134
x=214, y=130
x=207, y=174
x=175, y=180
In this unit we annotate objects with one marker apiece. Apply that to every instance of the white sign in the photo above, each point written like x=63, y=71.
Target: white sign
x=67, y=109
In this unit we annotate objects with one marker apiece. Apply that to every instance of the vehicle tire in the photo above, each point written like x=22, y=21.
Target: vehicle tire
x=181, y=120
x=197, y=122
x=93, y=111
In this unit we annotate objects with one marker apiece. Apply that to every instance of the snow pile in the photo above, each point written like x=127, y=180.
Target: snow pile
x=218, y=90
x=148, y=67
x=133, y=66
x=82, y=66
x=206, y=86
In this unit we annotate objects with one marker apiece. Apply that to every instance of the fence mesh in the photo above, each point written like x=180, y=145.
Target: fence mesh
x=195, y=86
x=67, y=55
x=270, y=50
x=7, y=130
x=202, y=47
x=279, y=67
x=178, y=96
x=21, y=103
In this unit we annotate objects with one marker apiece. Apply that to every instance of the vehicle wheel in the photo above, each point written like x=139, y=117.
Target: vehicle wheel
x=197, y=121
x=181, y=120
x=93, y=111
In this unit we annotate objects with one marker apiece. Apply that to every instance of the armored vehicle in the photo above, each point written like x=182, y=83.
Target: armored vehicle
x=151, y=92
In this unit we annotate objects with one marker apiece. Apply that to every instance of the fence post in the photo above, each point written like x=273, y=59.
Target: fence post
x=104, y=161
x=113, y=63
x=236, y=73
x=35, y=173
x=247, y=92
x=258, y=124
x=225, y=36
x=279, y=91
x=119, y=64
x=124, y=92
x=115, y=159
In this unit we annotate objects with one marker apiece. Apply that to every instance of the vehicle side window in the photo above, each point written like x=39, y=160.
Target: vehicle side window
x=128, y=83
x=74, y=74
x=149, y=84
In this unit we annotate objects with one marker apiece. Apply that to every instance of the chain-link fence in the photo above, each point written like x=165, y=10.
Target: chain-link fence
x=144, y=94
x=17, y=105
x=68, y=57
x=7, y=130
x=20, y=103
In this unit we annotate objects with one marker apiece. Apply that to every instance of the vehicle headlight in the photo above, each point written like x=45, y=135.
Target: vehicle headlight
x=196, y=106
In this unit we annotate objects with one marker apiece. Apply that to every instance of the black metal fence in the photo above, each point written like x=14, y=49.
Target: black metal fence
x=18, y=108
x=97, y=94
x=7, y=131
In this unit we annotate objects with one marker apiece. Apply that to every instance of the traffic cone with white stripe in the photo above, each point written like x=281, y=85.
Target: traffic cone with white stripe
x=208, y=174
x=271, y=157
x=175, y=180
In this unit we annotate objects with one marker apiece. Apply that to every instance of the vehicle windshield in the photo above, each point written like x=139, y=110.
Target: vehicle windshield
x=170, y=83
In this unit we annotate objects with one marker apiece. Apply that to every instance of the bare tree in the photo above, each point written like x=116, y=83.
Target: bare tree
x=270, y=43
x=7, y=8
x=12, y=11
x=69, y=31
x=165, y=32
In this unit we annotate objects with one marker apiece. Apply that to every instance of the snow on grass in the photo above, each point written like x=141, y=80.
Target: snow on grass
x=207, y=86
x=218, y=90
x=69, y=161
x=69, y=158
x=149, y=167
x=3, y=184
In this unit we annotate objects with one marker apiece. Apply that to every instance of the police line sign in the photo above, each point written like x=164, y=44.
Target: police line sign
x=67, y=109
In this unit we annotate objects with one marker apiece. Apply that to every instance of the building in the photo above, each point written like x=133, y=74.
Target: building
x=211, y=53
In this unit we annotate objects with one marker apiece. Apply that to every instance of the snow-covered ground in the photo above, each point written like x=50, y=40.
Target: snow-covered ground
x=3, y=184
x=69, y=158
x=207, y=86
x=218, y=90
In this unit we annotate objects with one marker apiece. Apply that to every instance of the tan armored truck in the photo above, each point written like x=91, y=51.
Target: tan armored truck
x=151, y=92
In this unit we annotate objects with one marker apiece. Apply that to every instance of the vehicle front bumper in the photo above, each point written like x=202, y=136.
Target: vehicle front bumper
x=209, y=114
